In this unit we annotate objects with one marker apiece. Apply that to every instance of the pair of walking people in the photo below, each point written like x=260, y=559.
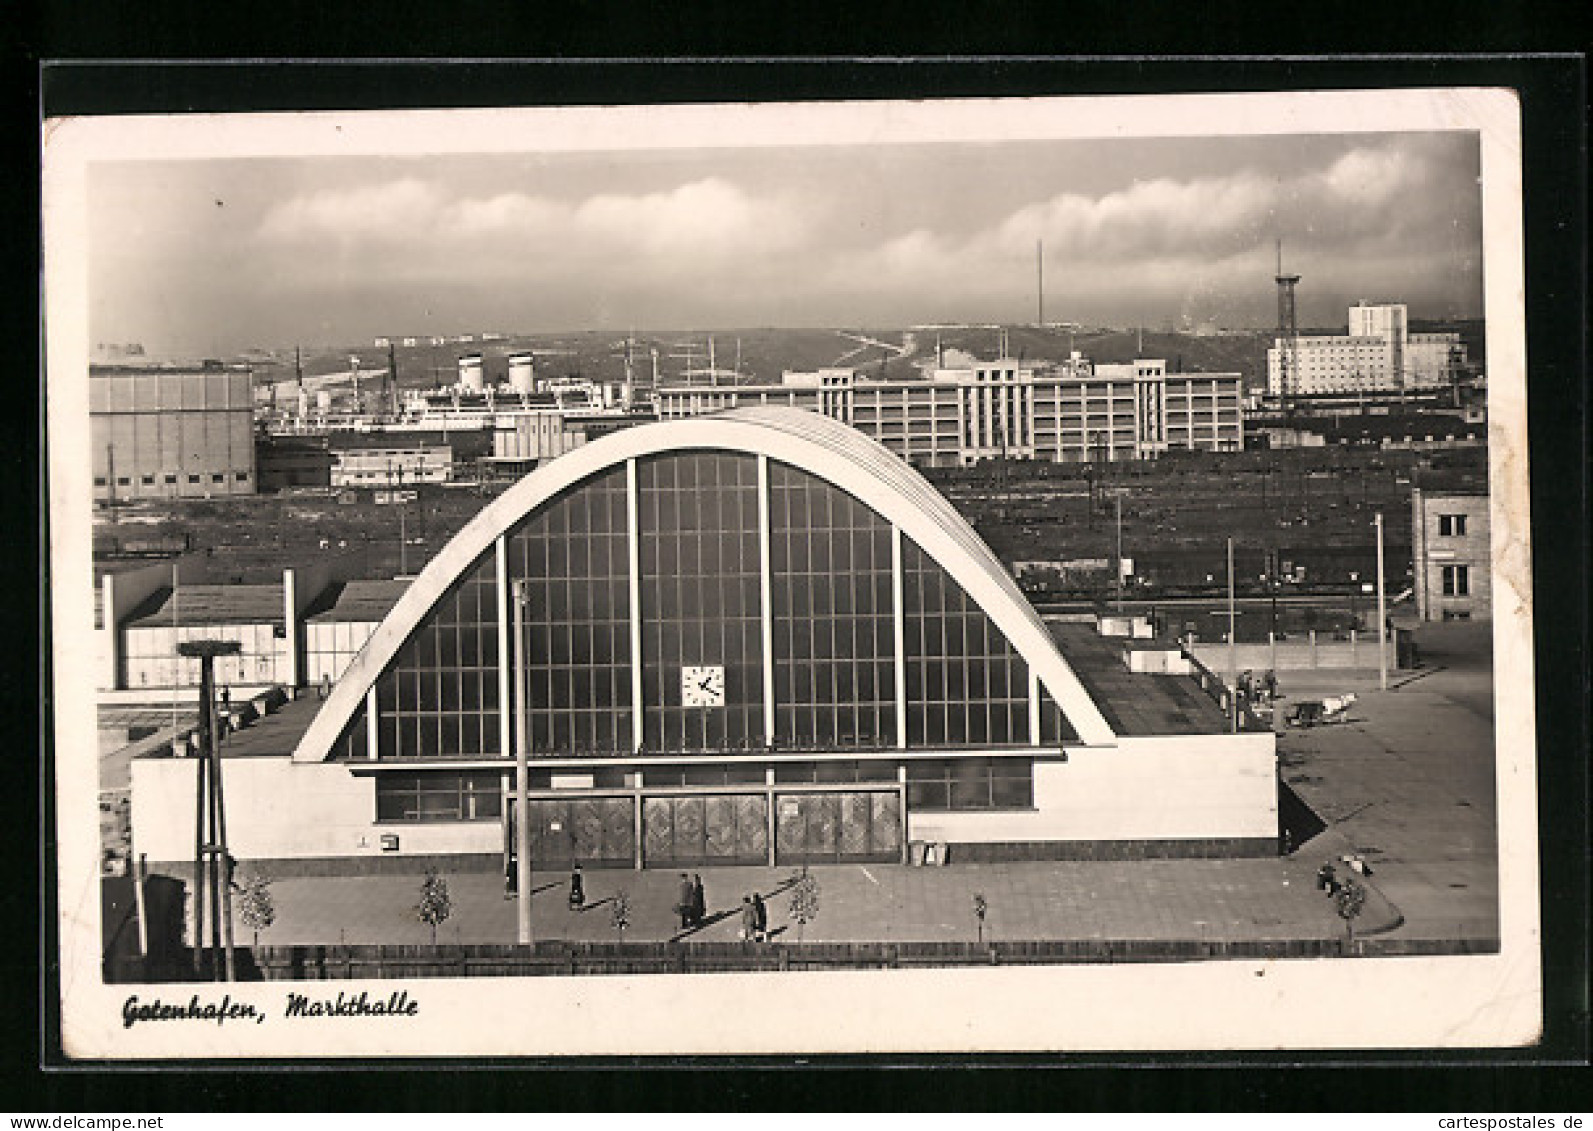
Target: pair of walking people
x=692, y=902
x=754, y=918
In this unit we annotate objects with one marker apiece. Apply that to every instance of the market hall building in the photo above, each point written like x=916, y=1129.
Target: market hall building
x=750, y=638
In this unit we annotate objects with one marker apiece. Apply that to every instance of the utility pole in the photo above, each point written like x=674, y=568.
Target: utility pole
x=1233, y=661
x=522, y=821
x=1382, y=618
x=1117, y=499
x=210, y=820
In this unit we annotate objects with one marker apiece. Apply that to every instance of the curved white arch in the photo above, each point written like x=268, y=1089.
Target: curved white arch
x=806, y=440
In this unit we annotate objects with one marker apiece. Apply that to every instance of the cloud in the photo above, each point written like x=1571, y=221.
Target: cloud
x=368, y=211
x=708, y=218
x=1380, y=216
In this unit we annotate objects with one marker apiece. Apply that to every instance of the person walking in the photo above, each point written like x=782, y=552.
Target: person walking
x=749, y=919
x=685, y=900
x=577, y=889
x=699, y=901
x=760, y=924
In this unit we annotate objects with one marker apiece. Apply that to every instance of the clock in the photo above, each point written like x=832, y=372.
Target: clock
x=702, y=686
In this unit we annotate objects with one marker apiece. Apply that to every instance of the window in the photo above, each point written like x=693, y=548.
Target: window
x=123, y=481
x=99, y=481
x=242, y=476
x=1457, y=581
x=834, y=772
x=439, y=797
x=147, y=480
x=170, y=479
x=971, y=783
x=1451, y=525
x=193, y=479
x=217, y=477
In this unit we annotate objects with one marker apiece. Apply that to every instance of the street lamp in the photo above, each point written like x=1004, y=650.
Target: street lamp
x=1382, y=616
x=522, y=827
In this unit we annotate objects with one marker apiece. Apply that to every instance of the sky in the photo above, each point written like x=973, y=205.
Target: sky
x=217, y=256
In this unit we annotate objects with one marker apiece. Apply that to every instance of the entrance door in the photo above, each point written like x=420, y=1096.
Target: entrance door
x=862, y=826
x=705, y=829
x=597, y=832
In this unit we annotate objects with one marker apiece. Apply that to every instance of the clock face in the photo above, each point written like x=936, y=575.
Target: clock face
x=702, y=686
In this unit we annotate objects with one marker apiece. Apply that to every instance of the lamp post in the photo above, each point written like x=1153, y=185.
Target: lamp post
x=210, y=819
x=1233, y=661
x=1117, y=500
x=1382, y=616
x=522, y=827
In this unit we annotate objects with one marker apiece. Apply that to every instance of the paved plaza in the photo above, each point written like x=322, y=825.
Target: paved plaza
x=1409, y=783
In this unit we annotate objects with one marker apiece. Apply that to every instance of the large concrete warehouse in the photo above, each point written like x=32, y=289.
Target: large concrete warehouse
x=753, y=637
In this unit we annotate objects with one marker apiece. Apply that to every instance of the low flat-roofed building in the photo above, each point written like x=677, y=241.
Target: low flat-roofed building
x=340, y=622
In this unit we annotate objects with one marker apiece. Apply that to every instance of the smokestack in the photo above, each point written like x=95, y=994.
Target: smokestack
x=522, y=377
x=1039, y=266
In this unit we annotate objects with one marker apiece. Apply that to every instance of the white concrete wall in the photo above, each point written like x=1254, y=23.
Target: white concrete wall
x=1164, y=788
x=277, y=809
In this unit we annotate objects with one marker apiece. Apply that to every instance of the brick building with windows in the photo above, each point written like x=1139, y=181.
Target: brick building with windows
x=1452, y=555
x=756, y=638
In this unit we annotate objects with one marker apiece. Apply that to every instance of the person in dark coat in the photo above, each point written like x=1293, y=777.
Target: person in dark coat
x=577, y=889
x=749, y=919
x=685, y=900
x=760, y=911
x=699, y=901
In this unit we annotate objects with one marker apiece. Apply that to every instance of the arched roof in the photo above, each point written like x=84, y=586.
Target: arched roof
x=814, y=443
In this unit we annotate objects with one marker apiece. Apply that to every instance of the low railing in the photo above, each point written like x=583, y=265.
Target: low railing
x=1217, y=689
x=557, y=957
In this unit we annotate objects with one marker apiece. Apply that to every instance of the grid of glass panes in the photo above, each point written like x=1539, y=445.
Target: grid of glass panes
x=354, y=743
x=1055, y=728
x=701, y=605
x=834, y=772
x=966, y=684
x=439, y=696
x=575, y=559
x=439, y=796
x=712, y=773
x=970, y=783
x=834, y=645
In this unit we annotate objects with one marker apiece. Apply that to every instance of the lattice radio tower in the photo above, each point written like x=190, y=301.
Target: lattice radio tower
x=1288, y=328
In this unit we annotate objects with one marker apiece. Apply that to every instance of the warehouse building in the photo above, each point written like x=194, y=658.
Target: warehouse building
x=756, y=637
x=163, y=432
x=1072, y=412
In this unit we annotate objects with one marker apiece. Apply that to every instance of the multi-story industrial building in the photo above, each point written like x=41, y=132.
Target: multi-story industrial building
x=163, y=432
x=952, y=417
x=1378, y=355
x=756, y=638
x=1453, y=555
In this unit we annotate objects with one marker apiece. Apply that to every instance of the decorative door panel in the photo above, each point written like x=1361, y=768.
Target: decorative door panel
x=839, y=826
x=885, y=825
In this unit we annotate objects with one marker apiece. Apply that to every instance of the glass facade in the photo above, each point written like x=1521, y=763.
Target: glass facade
x=437, y=795
x=971, y=783
x=701, y=604
x=574, y=556
x=700, y=613
x=834, y=650
x=439, y=696
x=966, y=684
